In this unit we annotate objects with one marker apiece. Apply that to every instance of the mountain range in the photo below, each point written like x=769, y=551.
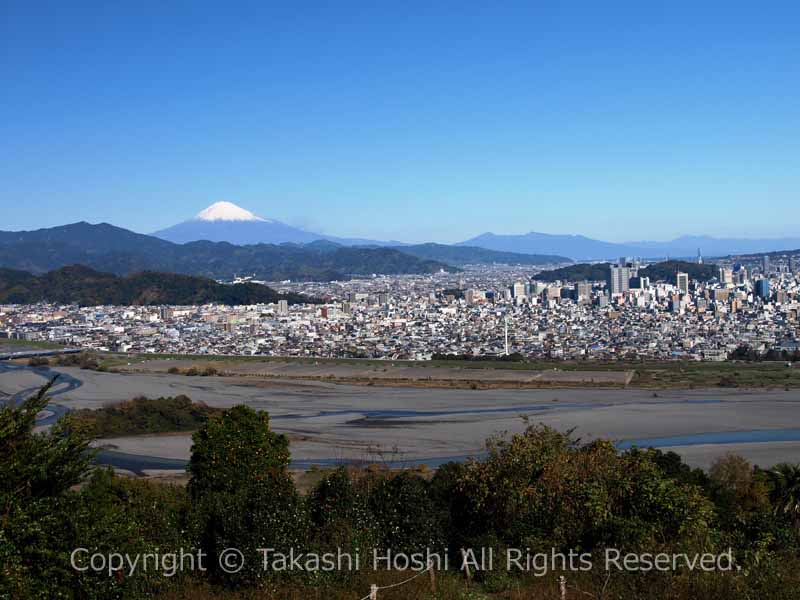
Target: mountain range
x=227, y=222
x=115, y=250
x=578, y=247
x=278, y=255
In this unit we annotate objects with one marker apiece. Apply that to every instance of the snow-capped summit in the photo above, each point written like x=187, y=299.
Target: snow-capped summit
x=227, y=211
x=226, y=222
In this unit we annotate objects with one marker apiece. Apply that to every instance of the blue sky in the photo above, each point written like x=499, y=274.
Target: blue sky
x=405, y=120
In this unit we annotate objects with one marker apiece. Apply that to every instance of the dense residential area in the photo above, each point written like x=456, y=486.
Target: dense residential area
x=482, y=311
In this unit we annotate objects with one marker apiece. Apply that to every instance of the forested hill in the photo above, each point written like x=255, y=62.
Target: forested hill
x=573, y=273
x=87, y=287
x=663, y=271
x=667, y=271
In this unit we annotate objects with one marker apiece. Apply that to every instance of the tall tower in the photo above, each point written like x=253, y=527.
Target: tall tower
x=699, y=257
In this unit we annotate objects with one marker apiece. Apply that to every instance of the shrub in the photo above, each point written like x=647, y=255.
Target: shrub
x=405, y=513
x=263, y=511
x=733, y=478
x=145, y=415
x=448, y=503
x=672, y=466
x=84, y=360
x=340, y=515
x=543, y=489
x=133, y=517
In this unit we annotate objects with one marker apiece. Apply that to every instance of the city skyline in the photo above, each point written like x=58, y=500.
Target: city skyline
x=615, y=122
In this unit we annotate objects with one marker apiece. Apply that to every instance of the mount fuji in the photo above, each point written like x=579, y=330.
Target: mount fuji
x=227, y=222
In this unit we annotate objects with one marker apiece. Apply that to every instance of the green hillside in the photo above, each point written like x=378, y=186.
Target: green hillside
x=81, y=285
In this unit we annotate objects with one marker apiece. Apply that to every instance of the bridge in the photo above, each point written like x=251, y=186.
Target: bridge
x=35, y=353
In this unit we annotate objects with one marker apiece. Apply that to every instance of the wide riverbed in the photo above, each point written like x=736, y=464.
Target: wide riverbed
x=329, y=422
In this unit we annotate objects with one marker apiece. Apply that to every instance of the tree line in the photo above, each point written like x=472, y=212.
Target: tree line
x=541, y=490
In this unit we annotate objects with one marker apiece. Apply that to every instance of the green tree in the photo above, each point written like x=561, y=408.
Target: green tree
x=39, y=465
x=735, y=485
x=235, y=448
x=242, y=495
x=36, y=473
x=543, y=489
x=340, y=515
x=43, y=519
x=405, y=513
x=785, y=494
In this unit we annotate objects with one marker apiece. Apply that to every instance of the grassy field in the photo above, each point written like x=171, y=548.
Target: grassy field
x=726, y=374
x=8, y=345
x=648, y=374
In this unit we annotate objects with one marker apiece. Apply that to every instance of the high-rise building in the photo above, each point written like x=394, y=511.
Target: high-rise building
x=699, y=257
x=675, y=304
x=765, y=265
x=762, y=289
x=283, y=308
x=536, y=288
x=518, y=290
x=472, y=296
x=583, y=291
x=551, y=293
x=725, y=276
x=683, y=282
x=619, y=279
x=740, y=276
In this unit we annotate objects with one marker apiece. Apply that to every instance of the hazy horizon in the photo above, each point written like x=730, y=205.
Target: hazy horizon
x=500, y=233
